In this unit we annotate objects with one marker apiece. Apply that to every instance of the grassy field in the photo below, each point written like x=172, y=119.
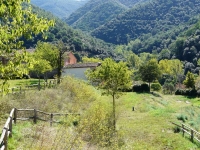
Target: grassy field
x=148, y=127
x=23, y=82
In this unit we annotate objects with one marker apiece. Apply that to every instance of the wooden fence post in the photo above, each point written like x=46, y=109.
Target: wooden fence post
x=50, y=84
x=10, y=126
x=15, y=116
x=44, y=85
x=35, y=116
x=183, y=129
x=51, y=120
x=192, y=136
x=6, y=139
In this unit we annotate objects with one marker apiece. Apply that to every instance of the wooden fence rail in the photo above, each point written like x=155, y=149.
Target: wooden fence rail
x=14, y=116
x=188, y=130
x=22, y=89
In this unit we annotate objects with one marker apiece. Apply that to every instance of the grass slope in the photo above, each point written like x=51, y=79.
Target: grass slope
x=148, y=127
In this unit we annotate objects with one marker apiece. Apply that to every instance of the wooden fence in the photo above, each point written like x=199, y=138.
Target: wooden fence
x=33, y=114
x=43, y=85
x=188, y=130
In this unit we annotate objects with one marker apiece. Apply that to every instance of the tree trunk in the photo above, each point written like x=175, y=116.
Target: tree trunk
x=59, y=73
x=114, y=119
x=39, y=84
x=38, y=81
x=149, y=86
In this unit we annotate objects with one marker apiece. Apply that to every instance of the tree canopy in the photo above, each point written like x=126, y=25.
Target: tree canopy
x=112, y=77
x=150, y=71
x=190, y=80
x=17, y=22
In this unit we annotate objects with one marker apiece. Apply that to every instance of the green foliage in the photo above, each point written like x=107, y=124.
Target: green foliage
x=97, y=125
x=197, y=83
x=145, y=57
x=173, y=68
x=182, y=117
x=141, y=88
x=150, y=71
x=101, y=12
x=168, y=88
x=40, y=66
x=83, y=44
x=156, y=86
x=148, y=128
x=134, y=61
x=17, y=22
x=91, y=60
x=57, y=8
x=164, y=54
x=48, y=52
x=161, y=20
x=112, y=77
x=190, y=80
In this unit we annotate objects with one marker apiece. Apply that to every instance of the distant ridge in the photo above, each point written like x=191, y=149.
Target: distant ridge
x=60, y=8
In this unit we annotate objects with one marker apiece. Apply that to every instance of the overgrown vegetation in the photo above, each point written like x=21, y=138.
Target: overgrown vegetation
x=148, y=126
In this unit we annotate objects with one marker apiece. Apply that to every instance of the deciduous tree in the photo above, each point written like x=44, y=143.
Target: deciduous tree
x=40, y=66
x=48, y=52
x=17, y=22
x=190, y=80
x=150, y=71
x=112, y=77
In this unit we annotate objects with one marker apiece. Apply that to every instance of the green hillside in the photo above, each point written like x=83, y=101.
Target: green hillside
x=103, y=11
x=147, y=20
x=147, y=127
x=83, y=44
x=60, y=8
x=98, y=12
x=131, y=3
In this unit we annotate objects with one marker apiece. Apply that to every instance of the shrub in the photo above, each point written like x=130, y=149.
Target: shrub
x=156, y=86
x=137, y=88
x=182, y=117
x=186, y=92
x=141, y=88
x=5, y=109
x=176, y=129
x=145, y=87
x=168, y=88
x=96, y=126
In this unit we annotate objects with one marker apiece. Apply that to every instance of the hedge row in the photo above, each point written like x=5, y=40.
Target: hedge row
x=188, y=92
x=141, y=88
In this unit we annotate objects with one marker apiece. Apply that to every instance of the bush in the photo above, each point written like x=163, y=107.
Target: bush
x=96, y=126
x=5, y=109
x=168, y=88
x=186, y=92
x=145, y=87
x=156, y=86
x=176, y=129
x=182, y=117
x=137, y=88
x=141, y=88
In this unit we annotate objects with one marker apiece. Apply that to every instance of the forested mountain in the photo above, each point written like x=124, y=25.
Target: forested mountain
x=60, y=8
x=131, y=3
x=100, y=11
x=187, y=48
x=149, y=19
x=83, y=44
x=97, y=12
